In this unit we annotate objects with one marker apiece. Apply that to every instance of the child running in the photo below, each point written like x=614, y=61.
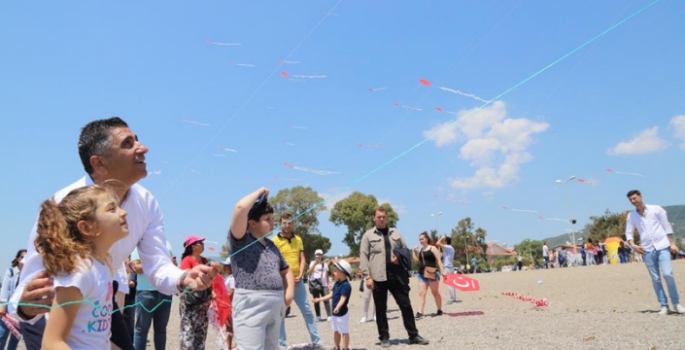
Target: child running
x=341, y=296
x=264, y=284
x=74, y=238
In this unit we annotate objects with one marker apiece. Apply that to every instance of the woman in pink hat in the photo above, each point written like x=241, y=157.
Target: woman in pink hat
x=194, y=305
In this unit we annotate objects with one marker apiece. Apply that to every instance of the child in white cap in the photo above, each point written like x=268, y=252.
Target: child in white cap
x=341, y=296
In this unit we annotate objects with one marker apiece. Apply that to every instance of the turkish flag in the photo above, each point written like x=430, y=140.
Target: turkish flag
x=461, y=282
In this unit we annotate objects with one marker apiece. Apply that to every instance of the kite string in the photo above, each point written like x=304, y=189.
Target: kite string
x=242, y=106
x=451, y=125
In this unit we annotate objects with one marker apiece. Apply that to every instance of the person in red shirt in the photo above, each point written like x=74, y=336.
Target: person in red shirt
x=194, y=317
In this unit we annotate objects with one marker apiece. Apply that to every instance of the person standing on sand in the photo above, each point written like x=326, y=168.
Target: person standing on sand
x=656, y=244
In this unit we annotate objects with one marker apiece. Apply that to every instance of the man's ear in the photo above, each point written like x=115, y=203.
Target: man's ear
x=98, y=164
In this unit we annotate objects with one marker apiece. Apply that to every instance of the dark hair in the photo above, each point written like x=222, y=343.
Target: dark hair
x=17, y=258
x=95, y=140
x=448, y=240
x=188, y=251
x=286, y=216
x=633, y=192
x=428, y=237
x=263, y=209
x=379, y=208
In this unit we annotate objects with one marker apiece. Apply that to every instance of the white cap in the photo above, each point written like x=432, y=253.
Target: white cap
x=227, y=261
x=318, y=251
x=345, y=267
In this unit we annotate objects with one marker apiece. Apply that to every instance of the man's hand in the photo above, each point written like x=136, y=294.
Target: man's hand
x=369, y=283
x=394, y=260
x=638, y=249
x=201, y=277
x=674, y=248
x=38, y=291
x=3, y=310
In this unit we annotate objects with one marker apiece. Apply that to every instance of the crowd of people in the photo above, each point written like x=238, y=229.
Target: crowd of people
x=102, y=238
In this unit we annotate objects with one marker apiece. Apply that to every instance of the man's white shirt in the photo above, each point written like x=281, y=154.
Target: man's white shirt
x=653, y=227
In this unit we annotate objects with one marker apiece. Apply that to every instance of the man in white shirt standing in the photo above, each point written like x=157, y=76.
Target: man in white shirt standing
x=656, y=244
x=545, y=254
x=111, y=154
x=445, y=243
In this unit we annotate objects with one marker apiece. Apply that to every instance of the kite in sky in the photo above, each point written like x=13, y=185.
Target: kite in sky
x=243, y=64
x=288, y=143
x=309, y=76
x=407, y=107
x=624, y=173
x=464, y=94
x=551, y=219
x=228, y=149
x=194, y=122
x=372, y=145
x=317, y=172
x=288, y=62
x=377, y=89
x=222, y=44
x=520, y=210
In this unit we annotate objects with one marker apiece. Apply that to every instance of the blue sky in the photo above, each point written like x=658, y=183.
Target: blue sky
x=616, y=103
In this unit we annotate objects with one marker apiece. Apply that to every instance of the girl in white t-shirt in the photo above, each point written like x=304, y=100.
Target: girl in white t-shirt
x=74, y=238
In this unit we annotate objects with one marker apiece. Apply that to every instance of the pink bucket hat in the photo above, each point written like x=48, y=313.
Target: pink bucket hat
x=192, y=239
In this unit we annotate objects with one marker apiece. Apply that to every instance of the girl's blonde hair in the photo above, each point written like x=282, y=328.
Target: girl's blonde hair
x=59, y=239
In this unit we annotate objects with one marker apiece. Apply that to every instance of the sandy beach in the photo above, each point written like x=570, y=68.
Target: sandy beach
x=598, y=307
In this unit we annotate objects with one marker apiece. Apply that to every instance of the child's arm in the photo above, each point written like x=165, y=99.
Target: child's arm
x=288, y=285
x=61, y=318
x=328, y=296
x=242, y=208
x=340, y=304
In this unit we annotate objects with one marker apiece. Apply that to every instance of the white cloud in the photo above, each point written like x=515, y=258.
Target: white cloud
x=647, y=141
x=493, y=143
x=678, y=123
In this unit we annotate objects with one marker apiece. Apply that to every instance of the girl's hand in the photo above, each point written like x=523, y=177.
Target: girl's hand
x=314, y=300
x=336, y=310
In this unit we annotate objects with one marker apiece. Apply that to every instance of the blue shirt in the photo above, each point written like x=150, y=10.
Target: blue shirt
x=448, y=256
x=341, y=288
x=143, y=282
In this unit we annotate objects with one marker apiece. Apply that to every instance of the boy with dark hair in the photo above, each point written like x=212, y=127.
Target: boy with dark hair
x=263, y=279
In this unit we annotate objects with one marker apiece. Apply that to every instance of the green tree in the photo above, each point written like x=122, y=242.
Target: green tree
x=468, y=243
x=608, y=225
x=304, y=204
x=433, y=234
x=529, y=249
x=356, y=212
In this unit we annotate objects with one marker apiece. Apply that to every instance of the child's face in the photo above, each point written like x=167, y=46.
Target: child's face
x=263, y=226
x=110, y=219
x=338, y=274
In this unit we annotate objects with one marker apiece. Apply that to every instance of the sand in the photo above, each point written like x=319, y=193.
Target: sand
x=597, y=307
